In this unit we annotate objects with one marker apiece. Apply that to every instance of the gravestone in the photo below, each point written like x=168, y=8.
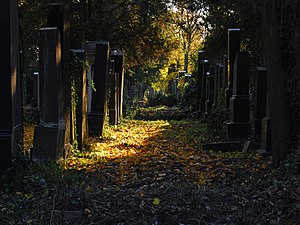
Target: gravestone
x=261, y=98
x=113, y=97
x=265, y=139
x=78, y=71
x=216, y=87
x=118, y=57
x=239, y=125
x=220, y=87
x=59, y=16
x=99, y=96
x=49, y=134
x=210, y=81
x=233, y=49
x=172, y=83
x=35, y=90
x=200, y=78
x=225, y=72
x=203, y=91
x=10, y=85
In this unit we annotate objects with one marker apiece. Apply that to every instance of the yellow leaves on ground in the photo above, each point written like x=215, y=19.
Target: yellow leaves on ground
x=156, y=201
x=161, y=151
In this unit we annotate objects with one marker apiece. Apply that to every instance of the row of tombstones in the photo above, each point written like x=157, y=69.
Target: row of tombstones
x=227, y=85
x=98, y=83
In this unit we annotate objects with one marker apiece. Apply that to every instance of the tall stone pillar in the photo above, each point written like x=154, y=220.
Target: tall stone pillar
x=10, y=85
x=210, y=82
x=113, y=97
x=49, y=134
x=225, y=73
x=98, y=113
x=200, y=78
x=118, y=57
x=205, y=69
x=59, y=16
x=79, y=73
x=233, y=49
x=261, y=98
x=239, y=110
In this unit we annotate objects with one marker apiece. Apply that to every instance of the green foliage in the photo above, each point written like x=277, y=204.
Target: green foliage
x=189, y=95
x=161, y=99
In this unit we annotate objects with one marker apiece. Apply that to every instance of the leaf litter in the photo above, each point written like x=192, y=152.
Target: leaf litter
x=150, y=172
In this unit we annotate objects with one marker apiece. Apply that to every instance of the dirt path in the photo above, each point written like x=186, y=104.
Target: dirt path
x=144, y=172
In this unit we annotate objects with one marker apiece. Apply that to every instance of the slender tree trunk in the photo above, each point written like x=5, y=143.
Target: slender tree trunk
x=280, y=120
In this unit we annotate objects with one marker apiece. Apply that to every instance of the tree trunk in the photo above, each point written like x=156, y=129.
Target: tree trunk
x=280, y=120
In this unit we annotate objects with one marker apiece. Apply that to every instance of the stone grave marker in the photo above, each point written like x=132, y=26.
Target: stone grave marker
x=59, y=16
x=261, y=98
x=239, y=125
x=113, y=96
x=265, y=139
x=203, y=91
x=80, y=79
x=210, y=81
x=118, y=57
x=49, y=134
x=233, y=49
x=98, y=55
x=200, y=78
x=10, y=85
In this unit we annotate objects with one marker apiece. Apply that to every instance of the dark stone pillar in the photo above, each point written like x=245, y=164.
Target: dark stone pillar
x=233, y=49
x=265, y=142
x=216, y=87
x=261, y=98
x=210, y=81
x=113, y=97
x=35, y=90
x=205, y=69
x=118, y=57
x=199, y=78
x=171, y=85
x=10, y=85
x=59, y=16
x=98, y=112
x=49, y=134
x=225, y=73
x=78, y=71
x=239, y=125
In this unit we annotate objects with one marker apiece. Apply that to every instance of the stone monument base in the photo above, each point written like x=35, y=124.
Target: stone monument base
x=95, y=123
x=48, y=143
x=238, y=130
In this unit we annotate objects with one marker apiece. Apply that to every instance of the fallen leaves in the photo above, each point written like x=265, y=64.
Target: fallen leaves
x=151, y=172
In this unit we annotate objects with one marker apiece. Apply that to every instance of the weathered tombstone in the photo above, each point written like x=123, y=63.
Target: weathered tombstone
x=265, y=142
x=59, y=16
x=233, y=49
x=10, y=85
x=98, y=107
x=49, y=134
x=220, y=87
x=118, y=57
x=261, y=98
x=203, y=91
x=172, y=83
x=210, y=81
x=79, y=76
x=216, y=87
x=239, y=125
x=225, y=72
x=113, y=97
x=35, y=90
x=200, y=78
